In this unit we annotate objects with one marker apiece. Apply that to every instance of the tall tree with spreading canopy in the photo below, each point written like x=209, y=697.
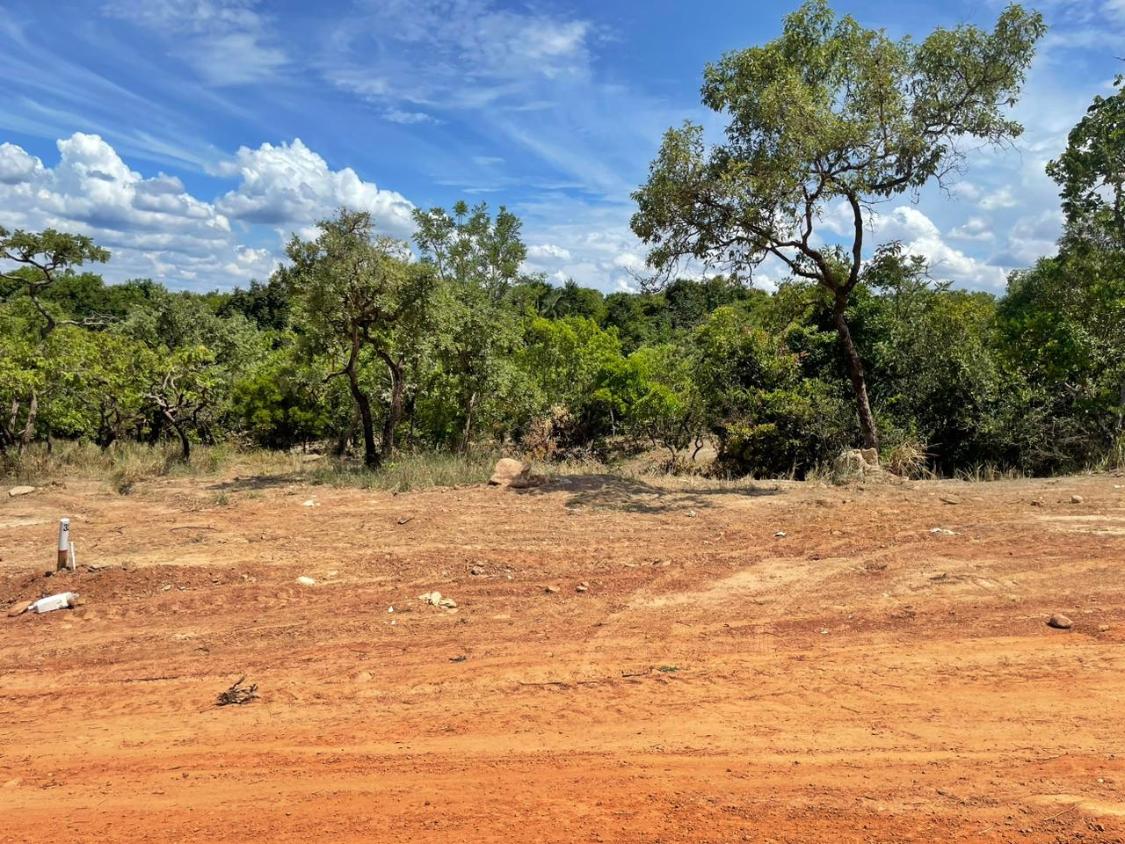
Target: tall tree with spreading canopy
x=829, y=112
x=355, y=291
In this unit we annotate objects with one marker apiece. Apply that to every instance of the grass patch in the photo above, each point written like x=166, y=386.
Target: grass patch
x=408, y=471
x=126, y=464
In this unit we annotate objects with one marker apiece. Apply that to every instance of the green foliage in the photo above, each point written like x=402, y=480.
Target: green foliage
x=828, y=112
x=439, y=360
x=1091, y=172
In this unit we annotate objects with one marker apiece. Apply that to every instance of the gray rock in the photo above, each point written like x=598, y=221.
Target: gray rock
x=1059, y=622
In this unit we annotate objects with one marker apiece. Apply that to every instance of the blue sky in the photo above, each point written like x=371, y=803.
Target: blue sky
x=191, y=137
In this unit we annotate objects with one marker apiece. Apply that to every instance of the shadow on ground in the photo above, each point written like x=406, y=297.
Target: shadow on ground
x=631, y=495
x=259, y=482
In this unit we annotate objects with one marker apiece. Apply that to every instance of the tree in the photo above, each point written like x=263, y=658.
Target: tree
x=829, y=112
x=1091, y=172
x=181, y=391
x=43, y=258
x=355, y=291
x=477, y=258
x=47, y=255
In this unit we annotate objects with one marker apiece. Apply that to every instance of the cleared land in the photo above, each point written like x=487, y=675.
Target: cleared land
x=860, y=678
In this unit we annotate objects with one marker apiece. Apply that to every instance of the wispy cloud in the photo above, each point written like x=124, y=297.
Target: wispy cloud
x=227, y=42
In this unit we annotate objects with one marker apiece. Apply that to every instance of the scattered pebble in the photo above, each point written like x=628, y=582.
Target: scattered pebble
x=476, y=571
x=1060, y=622
x=950, y=499
x=551, y=590
x=582, y=587
x=19, y=608
x=940, y=531
x=20, y=490
x=305, y=580
x=310, y=503
x=780, y=534
x=1076, y=499
x=1103, y=628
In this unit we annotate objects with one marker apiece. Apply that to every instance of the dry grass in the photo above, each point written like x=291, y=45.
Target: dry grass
x=124, y=465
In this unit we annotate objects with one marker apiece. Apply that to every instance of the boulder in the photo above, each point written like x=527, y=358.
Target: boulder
x=507, y=471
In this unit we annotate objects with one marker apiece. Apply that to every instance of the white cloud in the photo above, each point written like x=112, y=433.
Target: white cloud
x=1003, y=198
x=547, y=251
x=227, y=42
x=975, y=228
x=154, y=227
x=16, y=166
x=289, y=184
x=630, y=262
x=919, y=236
x=461, y=54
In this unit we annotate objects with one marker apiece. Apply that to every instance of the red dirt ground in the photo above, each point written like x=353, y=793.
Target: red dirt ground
x=857, y=679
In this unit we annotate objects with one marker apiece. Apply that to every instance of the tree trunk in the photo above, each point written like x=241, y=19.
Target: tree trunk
x=370, y=454
x=856, y=374
x=345, y=438
x=185, y=443
x=29, y=428
x=394, y=411
x=466, y=432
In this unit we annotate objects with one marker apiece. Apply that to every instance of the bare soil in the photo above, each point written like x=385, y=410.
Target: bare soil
x=859, y=678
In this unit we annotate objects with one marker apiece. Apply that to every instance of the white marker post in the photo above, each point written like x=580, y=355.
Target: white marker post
x=64, y=545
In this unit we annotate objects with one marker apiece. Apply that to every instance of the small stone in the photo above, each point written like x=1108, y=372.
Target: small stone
x=476, y=571
x=310, y=503
x=1103, y=628
x=780, y=534
x=939, y=531
x=304, y=580
x=20, y=490
x=551, y=590
x=447, y=603
x=433, y=598
x=1060, y=622
x=950, y=499
x=1036, y=503
x=1076, y=499
x=19, y=608
x=582, y=587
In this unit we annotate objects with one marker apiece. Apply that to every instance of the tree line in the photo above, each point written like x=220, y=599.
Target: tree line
x=373, y=345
